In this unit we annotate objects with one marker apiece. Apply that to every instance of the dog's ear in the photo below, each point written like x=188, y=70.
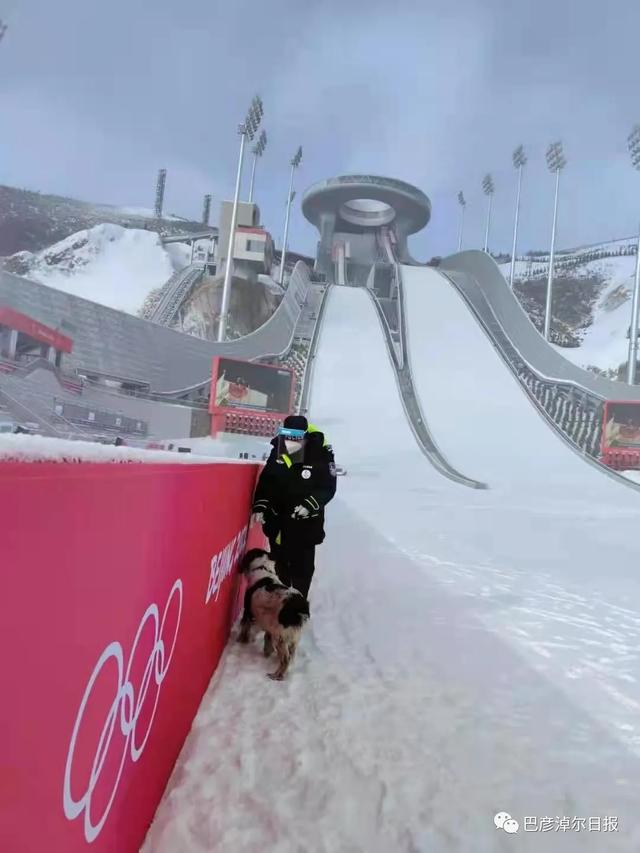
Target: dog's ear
x=249, y=557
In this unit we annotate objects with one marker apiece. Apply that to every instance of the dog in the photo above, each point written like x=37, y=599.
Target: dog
x=278, y=610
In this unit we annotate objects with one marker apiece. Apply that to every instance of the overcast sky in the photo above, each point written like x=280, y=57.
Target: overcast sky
x=96, y=96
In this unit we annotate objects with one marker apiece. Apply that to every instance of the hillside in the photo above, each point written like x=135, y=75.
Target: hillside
x=591, y=301
x=31, y=221
x=127, y=268
x=109, y=264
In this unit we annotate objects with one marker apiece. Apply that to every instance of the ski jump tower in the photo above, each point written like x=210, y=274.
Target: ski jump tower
x=350, y=211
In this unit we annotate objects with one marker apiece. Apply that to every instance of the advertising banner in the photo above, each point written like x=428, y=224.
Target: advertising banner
x=246, y=386
x=622, y=426
x=119, y=592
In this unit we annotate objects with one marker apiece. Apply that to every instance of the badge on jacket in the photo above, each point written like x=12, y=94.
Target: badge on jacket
x=306, y=474
x=332, y=469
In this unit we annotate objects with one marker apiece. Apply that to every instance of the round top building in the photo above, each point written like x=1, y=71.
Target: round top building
x=363, y=219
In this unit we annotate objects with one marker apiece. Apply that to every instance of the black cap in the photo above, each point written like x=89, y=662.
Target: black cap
x=296, y=422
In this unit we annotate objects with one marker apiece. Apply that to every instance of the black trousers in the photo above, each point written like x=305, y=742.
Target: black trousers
x=295, y=564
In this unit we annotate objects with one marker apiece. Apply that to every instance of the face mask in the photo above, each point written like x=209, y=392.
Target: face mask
x=292, y=446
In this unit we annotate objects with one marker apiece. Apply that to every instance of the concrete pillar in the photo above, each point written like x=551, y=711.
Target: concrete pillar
x=326, y=228
x=51, y=355
x=13, y=343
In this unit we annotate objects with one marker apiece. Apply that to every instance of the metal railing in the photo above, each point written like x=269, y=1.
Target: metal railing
x=307, y=376
x=176, y=291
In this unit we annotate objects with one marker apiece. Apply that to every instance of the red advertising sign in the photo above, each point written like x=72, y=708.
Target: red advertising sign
x=119, y=594
x=34, y=329
x=621, y=435
x=251, y=387
x=248, y=397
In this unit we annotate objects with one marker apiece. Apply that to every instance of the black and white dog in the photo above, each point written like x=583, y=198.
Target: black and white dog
x=278, y=610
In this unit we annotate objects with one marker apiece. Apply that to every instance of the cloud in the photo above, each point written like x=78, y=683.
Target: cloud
x=96, y=98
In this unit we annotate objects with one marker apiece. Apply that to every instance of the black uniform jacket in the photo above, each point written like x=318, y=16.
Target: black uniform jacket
x=285, y=484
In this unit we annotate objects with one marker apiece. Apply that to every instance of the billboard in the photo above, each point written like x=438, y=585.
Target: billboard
x=251, y=387
x=106, y=666
x=622, y=426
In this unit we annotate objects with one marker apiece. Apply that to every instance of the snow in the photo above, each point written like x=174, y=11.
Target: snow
x=227, y=445
x=109, y=264
x=37, y=448
x=605, y=343
x=180, y=254
x=468, y=652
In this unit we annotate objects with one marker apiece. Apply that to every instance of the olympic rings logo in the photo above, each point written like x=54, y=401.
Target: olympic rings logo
x=125, y=711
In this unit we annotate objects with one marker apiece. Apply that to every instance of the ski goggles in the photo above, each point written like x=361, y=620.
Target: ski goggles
x=291, y=434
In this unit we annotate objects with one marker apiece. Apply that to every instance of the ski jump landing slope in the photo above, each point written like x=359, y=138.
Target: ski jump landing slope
x=469, y=652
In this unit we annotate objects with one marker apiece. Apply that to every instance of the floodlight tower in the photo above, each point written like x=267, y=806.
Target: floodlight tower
x=295, y=162
x=160, y=186
x=519, y=161
x=463, y=205
x=556, y=161
x=248, y=128
x=257, y=151
x=634, y=149
x=488, y=188
x=206, y=209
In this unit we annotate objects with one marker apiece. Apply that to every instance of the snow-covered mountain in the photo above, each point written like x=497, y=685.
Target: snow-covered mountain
x=109, y=264
x=593, y=286
x=604, y=344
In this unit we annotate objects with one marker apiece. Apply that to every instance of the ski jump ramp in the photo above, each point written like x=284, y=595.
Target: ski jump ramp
x=536, y=543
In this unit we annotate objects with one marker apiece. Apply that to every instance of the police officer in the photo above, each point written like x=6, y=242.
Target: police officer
x=295, y=485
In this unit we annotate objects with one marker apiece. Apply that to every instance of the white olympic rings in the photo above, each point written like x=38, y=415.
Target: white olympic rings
x=125, y=709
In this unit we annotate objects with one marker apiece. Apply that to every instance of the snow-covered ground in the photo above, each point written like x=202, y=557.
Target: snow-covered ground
x=468, y=653
x=38, y=448
x=109, y=264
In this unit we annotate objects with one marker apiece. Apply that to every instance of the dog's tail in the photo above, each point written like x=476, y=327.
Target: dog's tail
x=294, y=611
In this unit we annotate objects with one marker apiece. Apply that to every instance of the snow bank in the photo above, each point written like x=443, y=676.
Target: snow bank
x=403, y=726
x=37, y=448
x=109, y=264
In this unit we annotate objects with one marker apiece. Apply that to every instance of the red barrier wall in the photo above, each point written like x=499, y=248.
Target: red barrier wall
x=119, y=592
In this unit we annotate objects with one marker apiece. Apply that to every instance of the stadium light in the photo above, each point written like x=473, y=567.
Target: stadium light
x=634, y=150
x=556, y=161
x=3, y=29
x=247, y=129
x=295, y=162
x=463, y=205
x=519, y=162
x=257, y=151
x=488, y=188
